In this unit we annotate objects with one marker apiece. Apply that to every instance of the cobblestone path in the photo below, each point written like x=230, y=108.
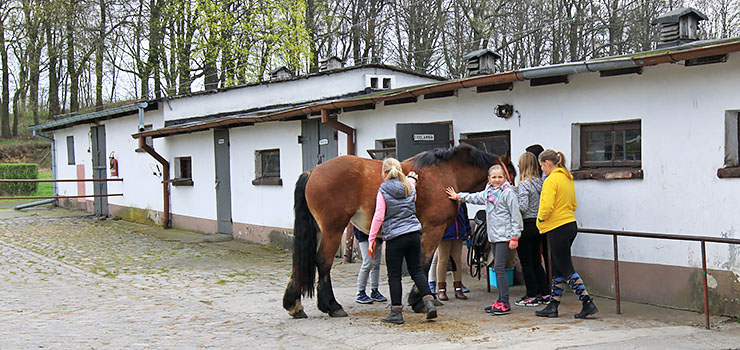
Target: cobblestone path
x=73, y=282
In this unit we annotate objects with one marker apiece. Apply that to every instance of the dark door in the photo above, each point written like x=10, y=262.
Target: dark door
x=416, y=138
x=223, y=180
x=319, y=143
x=97, y=138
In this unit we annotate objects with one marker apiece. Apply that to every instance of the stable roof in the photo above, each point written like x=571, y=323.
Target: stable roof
x=697, y=49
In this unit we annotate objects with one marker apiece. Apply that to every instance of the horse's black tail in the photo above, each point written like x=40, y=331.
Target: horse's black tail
x=305, y=241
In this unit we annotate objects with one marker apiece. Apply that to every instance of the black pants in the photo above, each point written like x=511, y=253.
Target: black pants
x=406, y=246
x=535, y=277
x=561, y=239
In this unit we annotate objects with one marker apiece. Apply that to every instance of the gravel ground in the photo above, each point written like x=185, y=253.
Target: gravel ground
x=70, y=281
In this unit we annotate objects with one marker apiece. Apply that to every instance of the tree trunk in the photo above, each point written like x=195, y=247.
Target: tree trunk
x=74, y=104
x=155, y=42
x=4, y=104
x=53, y=75
x=99, y=58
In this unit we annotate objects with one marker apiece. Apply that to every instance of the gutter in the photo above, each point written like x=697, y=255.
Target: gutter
x=165, y=168
x=332, y=121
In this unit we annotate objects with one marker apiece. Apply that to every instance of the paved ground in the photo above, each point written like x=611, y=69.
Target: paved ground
x=68, y=281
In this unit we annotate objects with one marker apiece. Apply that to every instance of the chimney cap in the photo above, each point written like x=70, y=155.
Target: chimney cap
x=481, y=52
x=673, y=16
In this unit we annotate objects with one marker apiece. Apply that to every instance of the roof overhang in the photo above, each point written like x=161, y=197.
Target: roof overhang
x=86, y=118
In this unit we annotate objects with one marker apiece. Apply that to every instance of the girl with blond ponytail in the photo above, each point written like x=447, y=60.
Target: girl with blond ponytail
x=395, y=217
x=556, y=218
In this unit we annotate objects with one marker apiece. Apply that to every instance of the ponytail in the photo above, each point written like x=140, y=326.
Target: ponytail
x=557, y=158
x=392, y=170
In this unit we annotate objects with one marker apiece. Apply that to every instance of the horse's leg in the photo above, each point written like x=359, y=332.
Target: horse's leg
x=429, y=242
x=292, y=301
x=324, y=260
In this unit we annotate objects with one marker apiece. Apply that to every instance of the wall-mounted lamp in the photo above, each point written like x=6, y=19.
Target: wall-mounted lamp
x=504, y=111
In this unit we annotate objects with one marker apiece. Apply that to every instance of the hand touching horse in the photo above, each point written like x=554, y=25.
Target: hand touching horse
x=343, y=189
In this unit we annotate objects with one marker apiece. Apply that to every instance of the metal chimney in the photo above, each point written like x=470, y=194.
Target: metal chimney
x=481, y=62
x=678, y=26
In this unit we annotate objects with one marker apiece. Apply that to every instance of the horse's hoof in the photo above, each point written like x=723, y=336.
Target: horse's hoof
x=437, y=302
x=338, y=313
x=300, y=314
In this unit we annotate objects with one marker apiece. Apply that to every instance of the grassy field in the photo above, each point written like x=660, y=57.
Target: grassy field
x=44, y=189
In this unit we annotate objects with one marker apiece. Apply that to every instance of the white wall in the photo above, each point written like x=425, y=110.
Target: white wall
x=82, y=149
x=682, y=111
x=264, y=205
x=198, y=200
x=279, y=93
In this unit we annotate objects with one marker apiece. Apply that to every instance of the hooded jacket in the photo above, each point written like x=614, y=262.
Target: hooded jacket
x=557, y=201
x=503, y=219
x=460, y=229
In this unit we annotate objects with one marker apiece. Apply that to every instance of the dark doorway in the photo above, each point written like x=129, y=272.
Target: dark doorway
x=319, y=143
x=99, y=170
x=416, y=138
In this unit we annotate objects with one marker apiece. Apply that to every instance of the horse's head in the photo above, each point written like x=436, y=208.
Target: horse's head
x=469, y=165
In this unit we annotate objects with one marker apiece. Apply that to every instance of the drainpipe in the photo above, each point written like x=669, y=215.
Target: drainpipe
x=165, y=168
x=141, y=106
x=331, y=120
x=53, y=173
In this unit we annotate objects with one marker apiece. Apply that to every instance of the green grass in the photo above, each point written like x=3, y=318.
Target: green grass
x=22, y=141
x=44, y=189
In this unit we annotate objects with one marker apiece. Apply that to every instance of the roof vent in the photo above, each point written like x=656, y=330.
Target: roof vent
x=330, y=63
x=678, y=26
x=281, y=73
x=481, y=62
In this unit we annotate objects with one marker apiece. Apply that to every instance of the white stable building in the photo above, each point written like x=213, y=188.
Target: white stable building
x=652, y=139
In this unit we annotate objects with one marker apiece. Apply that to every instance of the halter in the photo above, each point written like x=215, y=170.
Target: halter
x=506, y=169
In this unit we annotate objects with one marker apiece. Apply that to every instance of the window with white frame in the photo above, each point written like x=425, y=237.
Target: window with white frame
x=183, y=171
x=267, y=167
x=732, y=146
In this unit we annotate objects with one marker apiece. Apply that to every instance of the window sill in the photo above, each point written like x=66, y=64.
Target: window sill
x=608, y=174
x=268, y=181
x=728, y=172
x=182, y=182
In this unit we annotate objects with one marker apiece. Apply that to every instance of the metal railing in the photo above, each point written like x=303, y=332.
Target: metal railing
x=702, y=240
x=61, y=180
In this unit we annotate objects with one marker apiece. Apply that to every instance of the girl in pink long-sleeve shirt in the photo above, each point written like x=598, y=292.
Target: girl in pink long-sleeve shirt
x=395, y=217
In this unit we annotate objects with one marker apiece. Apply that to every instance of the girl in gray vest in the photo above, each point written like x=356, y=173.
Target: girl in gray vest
x=395, y=217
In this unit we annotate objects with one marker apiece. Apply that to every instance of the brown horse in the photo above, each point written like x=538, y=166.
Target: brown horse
x=343, y=189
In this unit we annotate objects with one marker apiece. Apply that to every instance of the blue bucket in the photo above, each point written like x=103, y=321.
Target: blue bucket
x=492, y=277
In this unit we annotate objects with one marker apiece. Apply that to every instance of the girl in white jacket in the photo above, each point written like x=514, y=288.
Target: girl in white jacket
x=504, y=226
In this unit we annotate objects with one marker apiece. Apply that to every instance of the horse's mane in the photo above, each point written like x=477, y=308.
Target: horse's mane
x=476, y=157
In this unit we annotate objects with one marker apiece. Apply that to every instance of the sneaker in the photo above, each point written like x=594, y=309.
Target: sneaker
x=376, y=296
x=465, y=289
x=528, y=301
x=362, y=298
x=488, y=308
x=544, y=299
x=501, y=308
x=433, y=287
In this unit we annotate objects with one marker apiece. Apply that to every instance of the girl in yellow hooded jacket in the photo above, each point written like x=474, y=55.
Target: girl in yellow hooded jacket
x=556, y=218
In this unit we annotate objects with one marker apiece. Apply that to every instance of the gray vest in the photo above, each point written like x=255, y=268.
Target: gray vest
x=400, y=210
